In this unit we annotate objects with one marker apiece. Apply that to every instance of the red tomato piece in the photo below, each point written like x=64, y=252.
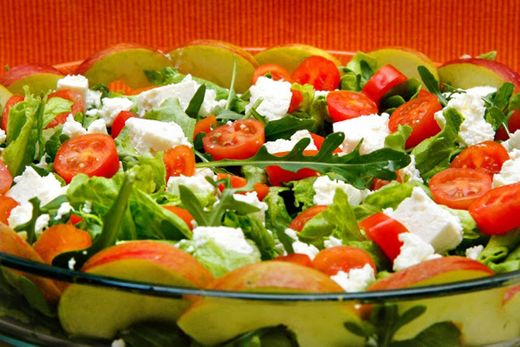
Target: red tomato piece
x=486, y=156
x=296, y=258
x=182, y=213
x=497, y=211
x=6, y=206
x=513, y=124
x=179, y=160
x=205, y=125
x=13, y=100
x=320, y=72
x=303, y=217
x=318, y=142
x=342, y=258
x=382, y=81
x=238, y=140
x=344, y=104
x=419, y=114
x=78, y=105
x=91, y=154
x=296, y=100
x=274, y=71
x=261, y=189
x=384, y=231
x=120, y=122
x=6, y=180
x=378, y=183
x=276, y=175
x=458, y=188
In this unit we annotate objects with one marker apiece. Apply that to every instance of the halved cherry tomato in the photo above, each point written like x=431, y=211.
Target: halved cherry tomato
x=275, y=71
x=91, y=154
x=276, y=175
x=6, y=206
x=182, y=213
x=513, y=124
x=119, y=122
x=497, y=211
x=296, y=100
x=238, y=140
x=179, y=160
x=378, y=183
x=74, y=219
x=261, y=189
x=59, y=239
x=13, y=100
x=6, y=179
x=318, y=142
x=78, y=105
x=382, y=81
x=344, y=104
x=458, y=188
x=419, y=114
x=322, y=73
x=296, y=258
x=486, y=156
x=205, y=125
x=384, y=231
x=303, y=217
x=341, y=258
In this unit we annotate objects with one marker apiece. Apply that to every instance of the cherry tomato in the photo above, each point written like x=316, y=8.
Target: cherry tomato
x=303, y=217
x=6, y=206
x=296, y=100
x=91, y=154
x=296, y=258
x=74, y=219
x=378, y=183
x=182, y=213
x=322, y=73
x=384, y=231
x=486, y=156
x=276, y=175
x=419, y=114
x=179, y=160
x=382, y=81
x=342, y=258
x=120, y=122
x=6, y=180
x=205, y=125
x=275, y=71
x=78, y=105
x=458, y=188
x=318, y=142
x=261, y=189
x=238, y=140
x=497, y=211
x=59, y=239
x=344, y=104
x=13, y=100
x=513, y=125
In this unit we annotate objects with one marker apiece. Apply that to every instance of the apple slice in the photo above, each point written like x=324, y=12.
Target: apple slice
x=291, y=55
x=12, y=243
x=474, y=72
x=39, y=78
x=405, y=60
x=5, y=94
x=212, y=321
x=470, y=312
x=512, y=302
x=125, y=62
x=213, y=61
x=101, y=312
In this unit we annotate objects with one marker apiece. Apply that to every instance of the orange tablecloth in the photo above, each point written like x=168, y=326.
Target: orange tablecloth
x=54, y=31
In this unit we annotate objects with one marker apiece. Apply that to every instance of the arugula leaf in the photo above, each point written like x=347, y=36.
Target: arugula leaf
x=445, y=333
x=154, y=335
x=431, y=84
x=196, y=102
x=400, y=94
x=30, y=226
x=354, y=168
x=358, y=71
x=497, y=106
x=171, y=111
x=278, y=336
x=283, y=128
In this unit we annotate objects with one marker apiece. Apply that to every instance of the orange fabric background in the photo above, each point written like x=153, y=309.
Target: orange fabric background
x=55, y=31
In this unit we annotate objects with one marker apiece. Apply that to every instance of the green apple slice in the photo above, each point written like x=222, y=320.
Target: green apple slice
x=39, y=78
x=5, y=94
x=291, y=55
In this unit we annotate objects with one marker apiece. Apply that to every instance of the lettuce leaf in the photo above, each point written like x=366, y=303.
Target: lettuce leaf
x=54, y=107
x=277, y=218
x=171, y=111
x=389, y=196
x=304, y=192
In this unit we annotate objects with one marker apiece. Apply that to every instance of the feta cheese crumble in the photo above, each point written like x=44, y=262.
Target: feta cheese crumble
x=513, y=142
x=474, y=252
x=282, y=145
x=3, y=136
x=251, y=198
x=275, y=95
x=411, y=173
x=63, y=210
x=231, y=239
x=332, y=241
x=111, y=108
x=355, y=280
x=300, y=247
x=372, y=129
x=150, y=136
x=72, y=128
x=196, y=183
x=510, y=172
x=413, y=251
x=77, y=83
x=93, y=99
x=325, y=189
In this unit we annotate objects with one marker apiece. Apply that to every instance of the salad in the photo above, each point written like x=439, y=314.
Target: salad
x=281, y=172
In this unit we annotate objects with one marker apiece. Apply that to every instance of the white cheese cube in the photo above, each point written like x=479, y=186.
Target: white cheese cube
x=231, y=239
x=355, y=280
x=76, y=83
x=513, y=142
x=372, y=129
x=282, y=145
x=111, y=108
x=300, y=247
x=474, y=252
x=410, y=172
x=99, y=126
x=275, y=95
x=332, y=241
x=93, y=99
x=510, y=172
x=196, y=183
x=413, y=251
x=72, y=128
x=325, y=189
x=3, y=136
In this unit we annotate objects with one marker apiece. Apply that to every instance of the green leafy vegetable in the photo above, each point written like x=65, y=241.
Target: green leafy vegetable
x=54, y=107
x=444, y=333
x=497, y=106
x=432, y=84
x=397, y=140
x=277, y=218
x=389, y=196
x=499, y=248
x=285, y=127
x=399, y=95
x=358, y=71
x=154, y=335
x=278, y=336
x=196, y=102
x=304, y=192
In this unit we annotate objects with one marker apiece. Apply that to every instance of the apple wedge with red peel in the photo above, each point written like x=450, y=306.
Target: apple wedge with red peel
x=124, y=62
x=479, y=315
x=100, y=312
x=474, y=72
x=213, y=61
x=211, y=321
x=512, y=302
x=291, y=55
x=405, y=60
x=11, y=243
x=39, y=78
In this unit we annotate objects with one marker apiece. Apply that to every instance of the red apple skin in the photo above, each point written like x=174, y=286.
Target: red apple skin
x=416, y=274
x=22, y=71
x=163, y=254
x=511, y=293
x=503, y=70
x=11, y=243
